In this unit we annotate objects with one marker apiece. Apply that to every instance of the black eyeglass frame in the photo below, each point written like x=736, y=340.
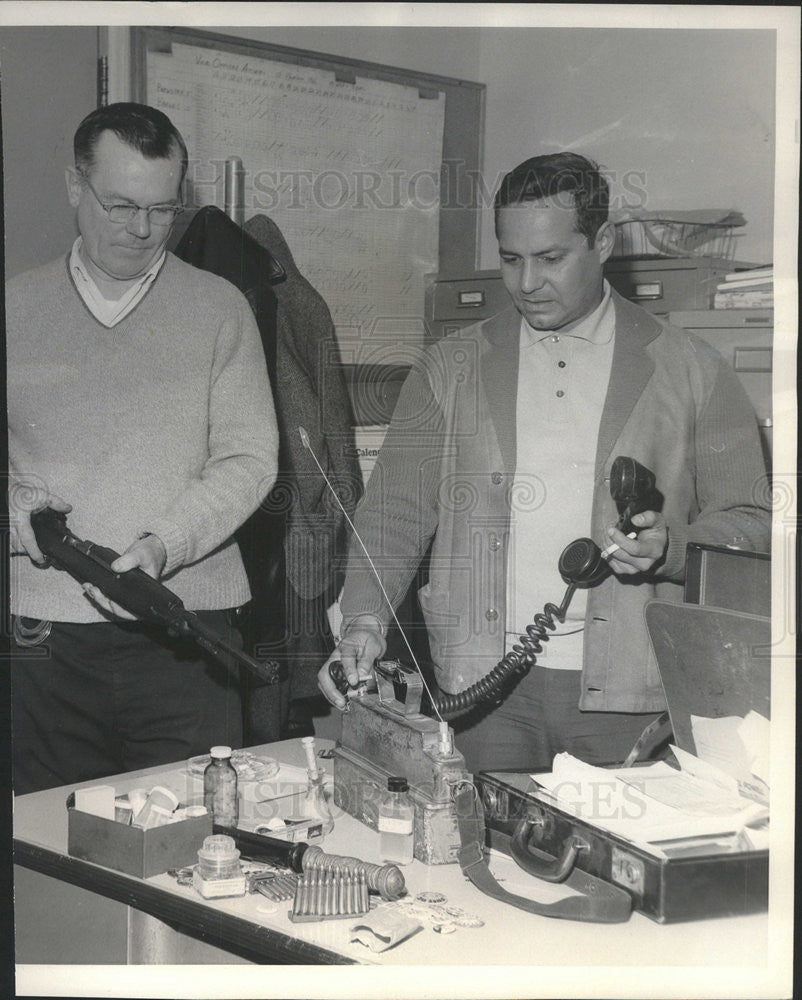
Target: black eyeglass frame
x=131, y=211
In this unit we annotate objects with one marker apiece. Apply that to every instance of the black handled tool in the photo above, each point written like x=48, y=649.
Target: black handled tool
x=337, y=674
x=133, y=590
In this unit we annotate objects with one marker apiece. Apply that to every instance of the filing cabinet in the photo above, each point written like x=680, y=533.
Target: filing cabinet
x=665, y=284
x=660, y=285
x=452, y=302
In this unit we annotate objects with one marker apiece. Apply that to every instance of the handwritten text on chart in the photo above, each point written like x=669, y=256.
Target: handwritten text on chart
x=348, y=170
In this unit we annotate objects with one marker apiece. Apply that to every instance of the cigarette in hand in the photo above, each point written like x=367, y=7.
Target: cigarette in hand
x=606, y=553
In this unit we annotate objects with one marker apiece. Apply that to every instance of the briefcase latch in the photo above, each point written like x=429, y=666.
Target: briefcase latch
x=628, y=871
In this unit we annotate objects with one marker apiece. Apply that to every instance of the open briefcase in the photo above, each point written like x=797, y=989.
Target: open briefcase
x=714, y=664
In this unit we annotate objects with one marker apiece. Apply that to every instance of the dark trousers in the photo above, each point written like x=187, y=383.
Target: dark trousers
x=540, y=718
x=98, y=699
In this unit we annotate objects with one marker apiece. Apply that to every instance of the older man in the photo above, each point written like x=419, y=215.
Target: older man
x=500, y=453
x=139, y=401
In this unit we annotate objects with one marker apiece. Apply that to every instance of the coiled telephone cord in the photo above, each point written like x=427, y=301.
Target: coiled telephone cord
x=511, y=667
x=581, y=565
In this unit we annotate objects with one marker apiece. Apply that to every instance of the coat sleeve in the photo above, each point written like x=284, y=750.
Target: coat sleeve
x=313, y=395
x=731, y=483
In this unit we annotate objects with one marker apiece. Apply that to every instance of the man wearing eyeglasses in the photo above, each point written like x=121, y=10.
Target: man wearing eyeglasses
x=139, y=403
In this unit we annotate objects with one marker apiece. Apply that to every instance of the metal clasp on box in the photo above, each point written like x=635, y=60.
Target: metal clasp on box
x=628, y=871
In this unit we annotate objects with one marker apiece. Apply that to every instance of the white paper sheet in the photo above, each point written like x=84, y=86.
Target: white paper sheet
x=650, y=804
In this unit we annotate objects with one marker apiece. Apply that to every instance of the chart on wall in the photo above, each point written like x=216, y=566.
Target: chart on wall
x=349, y=169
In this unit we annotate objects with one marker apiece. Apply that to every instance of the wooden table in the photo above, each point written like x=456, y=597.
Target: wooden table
x=71, y=911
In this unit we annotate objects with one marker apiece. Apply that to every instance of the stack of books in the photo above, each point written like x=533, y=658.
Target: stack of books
x=752, y=289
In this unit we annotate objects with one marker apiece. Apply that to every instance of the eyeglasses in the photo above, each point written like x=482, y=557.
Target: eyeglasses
x=159, y=215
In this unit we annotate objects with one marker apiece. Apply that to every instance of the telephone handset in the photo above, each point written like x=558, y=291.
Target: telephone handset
x=581, y=564
x=632, y=487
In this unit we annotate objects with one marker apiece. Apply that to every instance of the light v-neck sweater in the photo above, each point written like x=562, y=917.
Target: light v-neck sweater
x=163, y=423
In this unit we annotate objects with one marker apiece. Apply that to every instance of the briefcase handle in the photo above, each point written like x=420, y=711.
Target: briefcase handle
x=540, y=864
x=598, y=901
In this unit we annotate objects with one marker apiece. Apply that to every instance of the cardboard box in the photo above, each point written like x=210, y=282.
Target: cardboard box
x=132, y=850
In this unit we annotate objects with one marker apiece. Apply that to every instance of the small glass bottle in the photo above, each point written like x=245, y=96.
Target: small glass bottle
x=316, y=805
x=396, y=823
x=220, y=788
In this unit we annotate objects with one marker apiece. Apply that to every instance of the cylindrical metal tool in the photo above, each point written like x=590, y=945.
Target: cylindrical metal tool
x=387, y=880
x=258, y=847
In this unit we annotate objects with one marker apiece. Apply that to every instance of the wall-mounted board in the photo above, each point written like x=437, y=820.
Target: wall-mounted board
x=370, y=171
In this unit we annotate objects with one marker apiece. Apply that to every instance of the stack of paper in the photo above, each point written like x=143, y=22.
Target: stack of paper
x=752, y=289
x=659, y=806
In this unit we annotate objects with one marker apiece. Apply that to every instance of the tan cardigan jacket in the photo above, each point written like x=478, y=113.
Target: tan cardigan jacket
x=448, y=462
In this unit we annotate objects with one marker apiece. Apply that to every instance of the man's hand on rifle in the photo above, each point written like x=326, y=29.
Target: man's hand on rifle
x=25, y=497
x=148, y=554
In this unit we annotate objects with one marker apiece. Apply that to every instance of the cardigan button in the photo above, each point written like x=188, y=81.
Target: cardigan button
x=496, y=477
x=494, y=543
x=491, y=614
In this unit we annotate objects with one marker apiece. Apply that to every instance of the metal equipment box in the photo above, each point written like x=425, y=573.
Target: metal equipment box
x=358, y=787
x=380, y=738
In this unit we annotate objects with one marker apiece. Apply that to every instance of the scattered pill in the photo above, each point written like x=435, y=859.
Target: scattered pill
x=430, y=897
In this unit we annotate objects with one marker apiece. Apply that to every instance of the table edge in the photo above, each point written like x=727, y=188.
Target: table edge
x=235, y=934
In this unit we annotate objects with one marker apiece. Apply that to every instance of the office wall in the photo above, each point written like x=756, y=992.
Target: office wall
x=48, y=81
x=683, y=118
x=687, y=115
x=690, y=112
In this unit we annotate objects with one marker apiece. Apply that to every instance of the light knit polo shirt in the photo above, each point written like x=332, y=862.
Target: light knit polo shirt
x=562, y=384
x=109, y=312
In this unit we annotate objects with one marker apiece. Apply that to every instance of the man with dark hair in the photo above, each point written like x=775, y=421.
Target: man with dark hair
x=139, y=402
x=572, y=180
x=500, y=453
x=139, y=126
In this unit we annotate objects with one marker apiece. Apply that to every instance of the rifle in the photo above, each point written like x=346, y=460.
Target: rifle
x=134, y=590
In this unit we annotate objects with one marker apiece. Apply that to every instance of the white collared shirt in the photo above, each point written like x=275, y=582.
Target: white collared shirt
x=109, y=311
x=562, y=385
